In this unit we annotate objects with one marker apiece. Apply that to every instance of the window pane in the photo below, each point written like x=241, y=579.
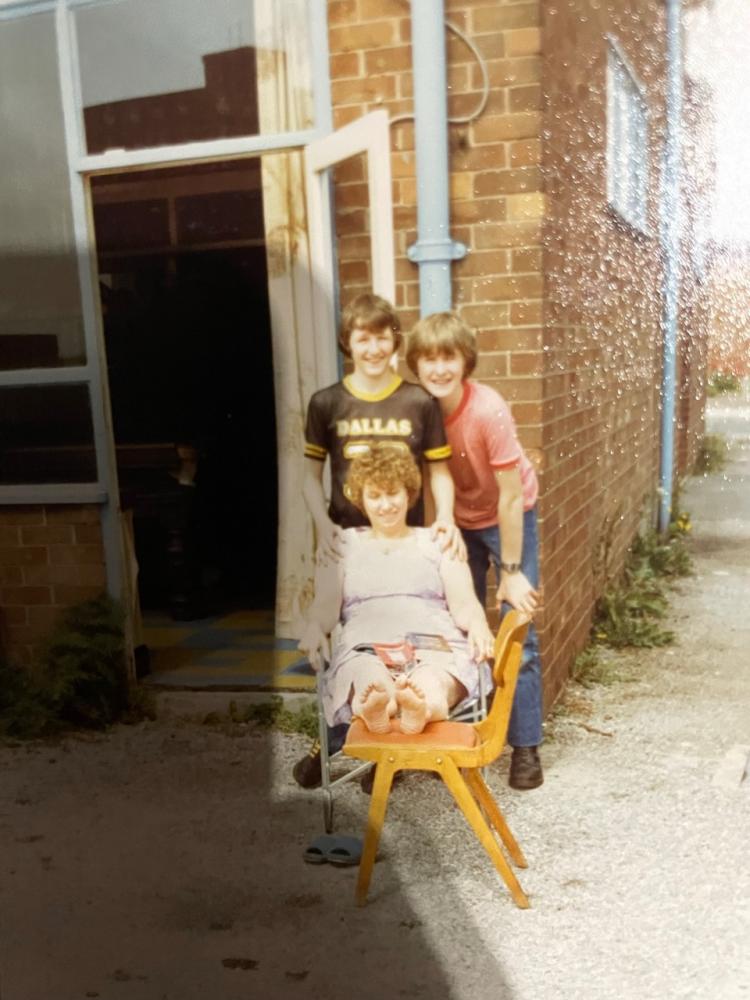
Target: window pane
x=47, y=435
x=40, y=309
x=163, y=72
x=627, y=144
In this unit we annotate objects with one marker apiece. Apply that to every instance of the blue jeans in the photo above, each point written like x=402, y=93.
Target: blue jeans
x=483, y=546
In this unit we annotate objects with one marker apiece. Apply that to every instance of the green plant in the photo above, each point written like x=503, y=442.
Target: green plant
x=713, y=452
x=79, y=679
x=629, y=611
x=628, y=616
x=24, y=712
x=590, y=669
x=663, y=556
x=82, y=666
x=721, y=382
x=274, y=714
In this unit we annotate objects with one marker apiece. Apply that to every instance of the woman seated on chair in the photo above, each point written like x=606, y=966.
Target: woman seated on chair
x=413, y=635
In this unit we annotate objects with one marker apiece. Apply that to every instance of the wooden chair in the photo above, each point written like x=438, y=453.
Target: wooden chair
x=456, y=751
x=473, y=708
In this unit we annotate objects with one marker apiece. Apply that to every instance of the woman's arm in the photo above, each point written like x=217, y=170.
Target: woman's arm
x=324, y=612
x=464, y=607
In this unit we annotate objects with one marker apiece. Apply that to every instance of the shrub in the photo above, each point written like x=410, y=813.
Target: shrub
x=80, y=678
x=629, y=611
x=721, y=382
x=713, y=452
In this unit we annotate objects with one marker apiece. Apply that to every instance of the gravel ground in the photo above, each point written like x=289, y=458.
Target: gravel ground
x=164, y=860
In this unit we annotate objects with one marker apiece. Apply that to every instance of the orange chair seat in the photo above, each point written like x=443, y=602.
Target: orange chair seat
x=436, y=735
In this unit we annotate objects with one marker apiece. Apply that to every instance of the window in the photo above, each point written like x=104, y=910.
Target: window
x=165, y=72
x=41, y=318
x=627, y=141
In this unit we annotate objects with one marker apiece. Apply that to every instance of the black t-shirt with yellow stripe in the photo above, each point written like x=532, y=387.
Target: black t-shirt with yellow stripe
x=341, y=421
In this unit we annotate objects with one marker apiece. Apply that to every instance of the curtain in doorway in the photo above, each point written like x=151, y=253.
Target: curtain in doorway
x=285, y=104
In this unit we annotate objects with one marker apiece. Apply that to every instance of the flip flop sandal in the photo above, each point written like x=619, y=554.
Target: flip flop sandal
x=345, y=851
x=316, y=852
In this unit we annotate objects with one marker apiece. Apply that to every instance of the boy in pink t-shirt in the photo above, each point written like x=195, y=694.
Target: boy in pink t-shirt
x=495, y=506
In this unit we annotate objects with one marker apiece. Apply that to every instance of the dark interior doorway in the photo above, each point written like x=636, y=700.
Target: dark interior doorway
x=183, y=282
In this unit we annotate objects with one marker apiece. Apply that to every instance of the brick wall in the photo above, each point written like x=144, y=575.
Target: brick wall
x=602, y=320
x=50, y=557
x=497, y=203
x=566, y=298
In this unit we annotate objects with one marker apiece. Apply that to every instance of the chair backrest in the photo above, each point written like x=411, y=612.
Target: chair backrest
x=508, y=651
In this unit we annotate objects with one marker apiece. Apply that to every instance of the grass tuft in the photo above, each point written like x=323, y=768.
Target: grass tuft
x=713, y=454
x=273, y=714
x=720, y=382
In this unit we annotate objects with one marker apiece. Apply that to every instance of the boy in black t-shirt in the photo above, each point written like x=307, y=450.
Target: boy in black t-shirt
x=372, y=403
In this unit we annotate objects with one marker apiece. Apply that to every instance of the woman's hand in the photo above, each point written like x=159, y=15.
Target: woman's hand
x=316, y=646
x=516, y=590
x=481, y=640
x=450, y=538
x=330, y=543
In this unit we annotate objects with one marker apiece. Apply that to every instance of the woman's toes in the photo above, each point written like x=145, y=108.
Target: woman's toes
x=374, y=709
x=411, y=701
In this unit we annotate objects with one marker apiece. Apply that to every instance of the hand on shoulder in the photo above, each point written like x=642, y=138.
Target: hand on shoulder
x=331, y=544
x=449, y=537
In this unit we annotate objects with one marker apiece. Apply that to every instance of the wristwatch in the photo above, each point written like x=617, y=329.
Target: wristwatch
x=510, y=568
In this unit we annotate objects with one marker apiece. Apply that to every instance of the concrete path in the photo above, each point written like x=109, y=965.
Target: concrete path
x=164, y=861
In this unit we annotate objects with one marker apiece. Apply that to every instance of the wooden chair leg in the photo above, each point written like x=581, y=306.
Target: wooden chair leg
x=483, y=795
x=460, y=792
x=380, y=791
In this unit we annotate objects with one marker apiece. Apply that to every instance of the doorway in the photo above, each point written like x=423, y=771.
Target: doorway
x=184, y=294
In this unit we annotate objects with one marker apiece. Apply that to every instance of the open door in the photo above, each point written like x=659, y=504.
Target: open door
x=369, y=135
x=304, y=320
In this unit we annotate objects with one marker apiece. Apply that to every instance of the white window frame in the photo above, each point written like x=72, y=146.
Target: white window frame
x=369, y=135
x=628, y=147
x=105, y=491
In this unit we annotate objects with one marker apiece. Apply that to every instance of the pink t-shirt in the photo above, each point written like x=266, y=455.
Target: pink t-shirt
x=483, y=441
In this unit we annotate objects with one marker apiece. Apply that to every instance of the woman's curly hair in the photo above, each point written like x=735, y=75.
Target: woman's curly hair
x=387, y=465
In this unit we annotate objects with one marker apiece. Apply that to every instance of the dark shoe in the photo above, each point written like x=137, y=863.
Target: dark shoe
x=307, y=772
x=525, y=768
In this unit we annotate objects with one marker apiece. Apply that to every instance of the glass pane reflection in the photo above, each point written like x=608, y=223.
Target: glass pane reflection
x=164, y=72
x=40, y=310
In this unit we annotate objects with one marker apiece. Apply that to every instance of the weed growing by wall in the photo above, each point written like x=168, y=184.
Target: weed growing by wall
x=712, y=456
x=719, y=383
x=630, y=611
x=79, y=680
x=270, y=714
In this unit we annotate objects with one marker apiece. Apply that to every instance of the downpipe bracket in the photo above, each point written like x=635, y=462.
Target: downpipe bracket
x=435, y=251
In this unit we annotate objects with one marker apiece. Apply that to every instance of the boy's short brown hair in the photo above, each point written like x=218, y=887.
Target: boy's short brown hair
x=442, y=333
x=370, y=312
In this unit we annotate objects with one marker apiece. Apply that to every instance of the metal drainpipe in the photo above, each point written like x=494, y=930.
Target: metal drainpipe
x=434, y=249
x=670, y=240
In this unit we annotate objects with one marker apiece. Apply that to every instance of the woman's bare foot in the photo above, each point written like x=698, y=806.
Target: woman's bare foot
x=374, y=703
x=411, y=701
